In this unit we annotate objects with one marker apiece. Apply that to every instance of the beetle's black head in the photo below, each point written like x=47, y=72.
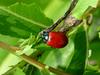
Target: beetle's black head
x=45, y=36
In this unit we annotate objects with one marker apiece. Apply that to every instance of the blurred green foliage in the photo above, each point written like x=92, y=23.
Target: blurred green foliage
x=20, y=18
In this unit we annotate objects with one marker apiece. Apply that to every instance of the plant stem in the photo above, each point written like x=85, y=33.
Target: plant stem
x=30, y=60
x=71, y=7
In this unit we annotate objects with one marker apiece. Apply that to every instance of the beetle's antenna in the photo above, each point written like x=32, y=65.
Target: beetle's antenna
x=72, y=5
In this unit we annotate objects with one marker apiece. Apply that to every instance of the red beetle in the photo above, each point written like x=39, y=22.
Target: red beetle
x=55, y=39
x=59, y=39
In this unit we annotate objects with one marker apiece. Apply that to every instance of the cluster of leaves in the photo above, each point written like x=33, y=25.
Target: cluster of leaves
x=20, y=18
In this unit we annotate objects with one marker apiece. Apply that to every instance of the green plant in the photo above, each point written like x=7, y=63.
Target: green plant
x=22, y=20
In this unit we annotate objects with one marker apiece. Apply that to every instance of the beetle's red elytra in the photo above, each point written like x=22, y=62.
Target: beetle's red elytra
x=57, y=39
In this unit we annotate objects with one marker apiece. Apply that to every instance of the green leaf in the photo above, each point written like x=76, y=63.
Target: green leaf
x=77, y=64
x=95, y=47
x=6, y=2
x=94, y=27
x=94, y=38
x=24, y=17
x=6, y=59
x=99, y=34
x=58, y=57
x=57, y=8
x=92, y=73
x=82, y=6
x=18, y=71
x=9, y=40
x=32, y=70
x=19, y=20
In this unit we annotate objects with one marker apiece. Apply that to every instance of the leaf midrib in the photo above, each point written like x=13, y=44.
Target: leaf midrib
x=22, y=17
